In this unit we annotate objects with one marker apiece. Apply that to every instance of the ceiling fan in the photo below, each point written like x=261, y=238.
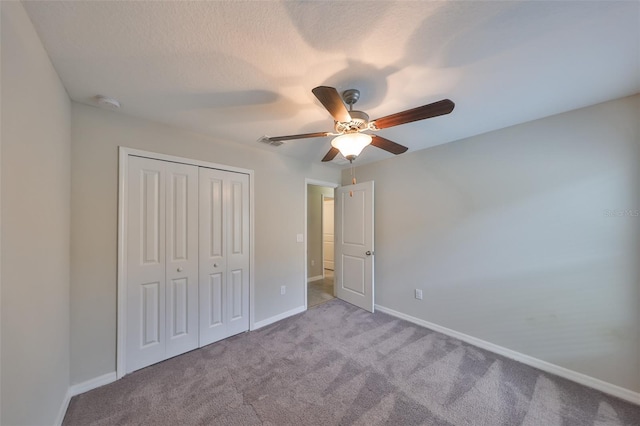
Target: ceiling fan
x=350, y=125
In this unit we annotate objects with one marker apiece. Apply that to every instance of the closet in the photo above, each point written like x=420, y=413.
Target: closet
x=187, y=258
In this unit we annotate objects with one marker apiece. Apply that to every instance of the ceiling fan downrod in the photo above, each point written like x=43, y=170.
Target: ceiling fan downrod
x=358, y=120
x=350, y=97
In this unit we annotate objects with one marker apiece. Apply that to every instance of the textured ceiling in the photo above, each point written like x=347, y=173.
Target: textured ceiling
x=240, y=70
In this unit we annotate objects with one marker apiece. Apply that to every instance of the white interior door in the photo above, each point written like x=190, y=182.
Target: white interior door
x=355, y=244
x=162, y=249
x=328, y=233
x=224, y=254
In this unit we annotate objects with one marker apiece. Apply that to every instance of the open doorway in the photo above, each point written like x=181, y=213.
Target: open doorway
x=320, y=251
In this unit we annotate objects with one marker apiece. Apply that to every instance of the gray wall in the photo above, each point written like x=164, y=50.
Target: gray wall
x=279, y=216
x=35, y=227
x=512, y=238
x=314, y=228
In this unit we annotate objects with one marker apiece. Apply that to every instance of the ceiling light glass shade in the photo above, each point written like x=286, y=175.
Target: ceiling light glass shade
x=351, y=145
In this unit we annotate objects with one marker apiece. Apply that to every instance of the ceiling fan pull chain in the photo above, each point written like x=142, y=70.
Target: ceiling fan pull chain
x=353, y=180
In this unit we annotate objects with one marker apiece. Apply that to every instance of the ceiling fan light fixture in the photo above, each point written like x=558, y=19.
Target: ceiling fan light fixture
x=351, y=145
x=349, y=124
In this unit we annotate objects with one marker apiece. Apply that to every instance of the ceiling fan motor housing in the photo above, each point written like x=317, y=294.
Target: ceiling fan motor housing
x=351, y=96
x=359, y=121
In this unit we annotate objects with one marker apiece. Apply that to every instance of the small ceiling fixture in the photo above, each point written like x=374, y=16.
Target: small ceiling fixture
x=107, y=102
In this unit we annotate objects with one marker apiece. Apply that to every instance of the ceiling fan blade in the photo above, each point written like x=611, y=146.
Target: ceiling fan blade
x=387, y=145
x=435, y=109
x=331, y=154
x=330, y=98
x=301, y=136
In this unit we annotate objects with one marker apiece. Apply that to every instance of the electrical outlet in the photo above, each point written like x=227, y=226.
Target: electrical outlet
x=313, y=262
x=418, y=294
x=283, y=289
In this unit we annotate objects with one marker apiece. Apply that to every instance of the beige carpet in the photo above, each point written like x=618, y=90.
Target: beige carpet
x=338, y=365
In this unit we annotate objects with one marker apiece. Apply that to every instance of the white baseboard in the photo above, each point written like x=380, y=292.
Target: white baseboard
x=316, y=278
x=83, y=387
x=583, y=379
x=63, y=408
x=91, y=384
x=278, y=317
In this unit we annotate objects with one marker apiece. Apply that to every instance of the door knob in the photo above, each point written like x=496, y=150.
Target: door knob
x=369, y=253
x=215, y=265
x=180, y=269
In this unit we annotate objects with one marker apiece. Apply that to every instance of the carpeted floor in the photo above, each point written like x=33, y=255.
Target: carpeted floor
x=320, y=291
x=336, y=364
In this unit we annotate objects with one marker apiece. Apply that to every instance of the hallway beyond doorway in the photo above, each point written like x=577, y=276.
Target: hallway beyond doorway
x=320, y=291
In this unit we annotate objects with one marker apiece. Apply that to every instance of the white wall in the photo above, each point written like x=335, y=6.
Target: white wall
x=510, y=238
x=35, y=227
x=314, y=228
x=279, y=216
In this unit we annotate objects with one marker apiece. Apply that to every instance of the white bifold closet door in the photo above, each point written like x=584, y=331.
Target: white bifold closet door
x=187, y=258
x=162, y=261
x=224, y=254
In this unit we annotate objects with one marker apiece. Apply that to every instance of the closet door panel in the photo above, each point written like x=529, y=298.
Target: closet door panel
x=215, y=301
x=213, y=259
x=238, y=255
x=237, y=222
x=181, y=258
x=215, y=217
x=150, y=319
x=237, y=295
x=145, y=263
x=178, y=307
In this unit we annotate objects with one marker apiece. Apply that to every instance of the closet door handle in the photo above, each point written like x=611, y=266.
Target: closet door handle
x=215, y=265
x=180, y=269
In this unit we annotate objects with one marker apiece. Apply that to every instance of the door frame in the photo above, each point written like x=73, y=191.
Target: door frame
x=307, y=182
x=123, y=164
x=324, y=198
